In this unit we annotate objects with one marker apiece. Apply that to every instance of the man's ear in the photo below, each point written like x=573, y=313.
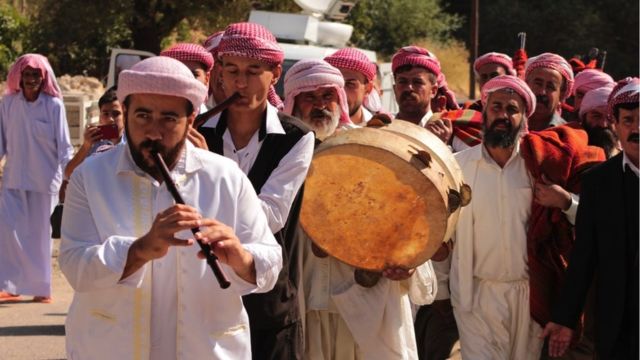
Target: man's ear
x=441, y=102
x=277, y=72
x=191, y=118
x=368, y=87
x=434, y=90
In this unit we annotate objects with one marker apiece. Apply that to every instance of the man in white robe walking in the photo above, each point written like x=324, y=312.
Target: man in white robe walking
x=141, y=290
x=34, y=139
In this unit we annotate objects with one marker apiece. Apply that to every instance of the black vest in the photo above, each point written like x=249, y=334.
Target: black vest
x=278, y=307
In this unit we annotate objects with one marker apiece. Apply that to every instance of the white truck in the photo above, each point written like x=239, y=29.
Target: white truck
x=301, y=36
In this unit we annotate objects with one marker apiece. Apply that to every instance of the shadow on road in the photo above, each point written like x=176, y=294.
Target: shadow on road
x=32, y=330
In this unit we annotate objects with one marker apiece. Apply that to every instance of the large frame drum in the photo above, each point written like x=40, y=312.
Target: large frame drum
x=382, y=197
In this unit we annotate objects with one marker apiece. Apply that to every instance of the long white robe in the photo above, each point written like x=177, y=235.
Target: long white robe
x=172, y=307
x=489, y=278
x=347, y=321
x=34, y=137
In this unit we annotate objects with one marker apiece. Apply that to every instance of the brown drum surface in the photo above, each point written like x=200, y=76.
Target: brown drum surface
x=373, y=203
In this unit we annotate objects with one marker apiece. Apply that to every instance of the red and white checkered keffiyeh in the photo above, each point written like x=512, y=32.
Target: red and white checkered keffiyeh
x=494, y=58
x=212, y=42
x=49, y=84
x=184, y=52
x=554, y=62
x=252, y=41
x=593, y=99
x=274, y=99
x=625, y=92
x=353, y=59
x=310, y=75
x=513, y=83
x=416, y=56
x=590, y=79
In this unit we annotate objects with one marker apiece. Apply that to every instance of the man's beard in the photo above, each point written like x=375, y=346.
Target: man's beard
x=602, y=137
x=322, y=122
x=170, y=156
x=501, y=138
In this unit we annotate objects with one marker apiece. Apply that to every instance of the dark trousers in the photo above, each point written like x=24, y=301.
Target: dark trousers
x=277, y=344
x=436, y=332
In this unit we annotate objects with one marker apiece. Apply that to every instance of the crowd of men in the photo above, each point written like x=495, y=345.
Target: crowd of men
x=543, y=262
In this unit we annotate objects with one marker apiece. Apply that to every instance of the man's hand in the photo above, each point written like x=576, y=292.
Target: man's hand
x=551, y=195
x=442, y=128
x=398, y=274
x=197, y=139
x=91, y=135
x=559, y=338
x=155, y=243
x=227, y=247
x=443, y=251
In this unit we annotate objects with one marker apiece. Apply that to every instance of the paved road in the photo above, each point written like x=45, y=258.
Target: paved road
x=36, y=331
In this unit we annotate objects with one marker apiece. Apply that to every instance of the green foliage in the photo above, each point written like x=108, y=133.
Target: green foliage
x=388, y=25
x=12, y=26
x=567, y=27
x=76, y=36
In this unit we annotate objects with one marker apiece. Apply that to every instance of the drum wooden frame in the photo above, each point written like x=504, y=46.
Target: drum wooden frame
x=382, y=197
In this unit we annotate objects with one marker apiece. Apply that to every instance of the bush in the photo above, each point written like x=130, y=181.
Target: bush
x=12, y=28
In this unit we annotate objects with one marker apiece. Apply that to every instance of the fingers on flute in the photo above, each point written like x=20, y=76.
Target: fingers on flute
x=181, y=242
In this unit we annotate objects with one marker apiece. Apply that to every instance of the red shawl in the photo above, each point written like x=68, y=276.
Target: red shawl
x=562, y=154
x=467, y=124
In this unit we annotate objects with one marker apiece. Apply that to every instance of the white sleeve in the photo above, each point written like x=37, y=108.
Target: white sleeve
x=3, y=135
x=458, y=145
x=442, y=269
x=61, y=128
x=253, y=231
x=423, y=285
x=279, y=191
x=573, y=209
x=87, y=262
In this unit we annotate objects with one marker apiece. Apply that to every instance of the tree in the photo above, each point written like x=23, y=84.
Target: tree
x=385, y=26
x=12, y=26
x=564, y=27
x=77, y=36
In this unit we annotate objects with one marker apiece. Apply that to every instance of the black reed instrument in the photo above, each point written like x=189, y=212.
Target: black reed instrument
x=202, y=118
x=212, y=259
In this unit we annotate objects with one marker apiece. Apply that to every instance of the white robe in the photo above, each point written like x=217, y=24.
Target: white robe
x=172, y=307
x=34, y=137
x=489, y=278
x=347, y=321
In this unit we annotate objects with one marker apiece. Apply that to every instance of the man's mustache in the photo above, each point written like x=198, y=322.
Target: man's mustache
x=633, y=138
x=542, y=99
x=497, y=122
x=320, y=113
x=153, y=146
x=407, y=95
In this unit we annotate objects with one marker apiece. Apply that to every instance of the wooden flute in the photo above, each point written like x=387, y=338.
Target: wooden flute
x=202, y=118
x=212, y=259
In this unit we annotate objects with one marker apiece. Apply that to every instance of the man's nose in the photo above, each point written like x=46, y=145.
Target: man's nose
x=241, y=81
x=319, y=103
x=154, y=133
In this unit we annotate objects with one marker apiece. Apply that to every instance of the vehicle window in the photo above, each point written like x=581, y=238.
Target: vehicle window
x=286, y=65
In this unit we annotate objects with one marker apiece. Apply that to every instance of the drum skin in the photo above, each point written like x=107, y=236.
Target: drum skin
x=377, y=198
